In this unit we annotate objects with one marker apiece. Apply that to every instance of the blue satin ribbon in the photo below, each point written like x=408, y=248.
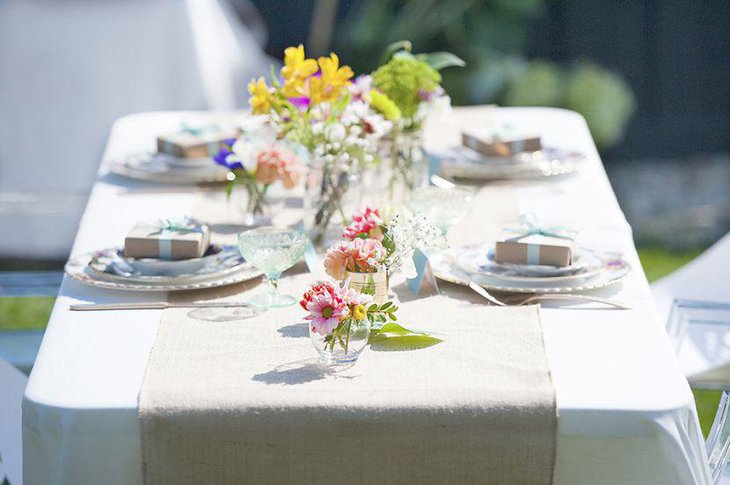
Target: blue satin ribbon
x=532, y=227
x=169, y=227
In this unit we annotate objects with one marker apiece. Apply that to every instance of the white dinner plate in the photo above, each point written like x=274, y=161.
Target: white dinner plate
x=480, y=260
x=462, y=162
x=164, y=168
x=88, y=269
x=446, y=267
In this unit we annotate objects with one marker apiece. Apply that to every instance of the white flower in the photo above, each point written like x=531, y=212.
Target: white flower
x=335, y=132
x=243, y=151
x=317, y=128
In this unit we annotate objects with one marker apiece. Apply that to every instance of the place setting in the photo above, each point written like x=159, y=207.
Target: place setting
x=539, y=262
x=163, y=255
x=504, y=152
x=183, y=156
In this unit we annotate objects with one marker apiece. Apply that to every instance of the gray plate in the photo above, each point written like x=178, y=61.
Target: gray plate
x=160, y=167
x=446, y=267
x=462, y=162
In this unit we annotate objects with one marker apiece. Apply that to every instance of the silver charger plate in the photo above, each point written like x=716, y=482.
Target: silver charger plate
x=109, y=265
x=164, y=168
x=78, y=268
x=462, y=162
x=480, y=260
x=446, y=267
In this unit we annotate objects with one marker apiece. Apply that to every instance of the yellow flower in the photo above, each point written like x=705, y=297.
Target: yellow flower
x=381, y=103
x=359, y=312
x=261, y=98
x=332, y=73
x=296, y=70
x=332, y=81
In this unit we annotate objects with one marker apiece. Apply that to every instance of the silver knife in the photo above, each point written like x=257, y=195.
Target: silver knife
x=155, y=305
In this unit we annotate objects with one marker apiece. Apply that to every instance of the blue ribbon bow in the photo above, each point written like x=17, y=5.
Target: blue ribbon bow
x=532, y=227
x=168, y=227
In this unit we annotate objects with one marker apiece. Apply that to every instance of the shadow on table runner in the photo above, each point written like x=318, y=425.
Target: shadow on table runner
x=248, y=402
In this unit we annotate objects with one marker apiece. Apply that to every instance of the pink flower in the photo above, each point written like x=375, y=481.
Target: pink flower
x=365, y=224
x=335, y=261
x=316, y=290
x=276, y=163
x=359, y=255
x=326, y=310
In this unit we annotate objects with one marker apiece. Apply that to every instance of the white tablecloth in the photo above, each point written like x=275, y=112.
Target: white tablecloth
x=626, y=413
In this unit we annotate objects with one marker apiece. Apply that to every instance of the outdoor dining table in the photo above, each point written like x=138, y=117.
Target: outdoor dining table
x=625, y=411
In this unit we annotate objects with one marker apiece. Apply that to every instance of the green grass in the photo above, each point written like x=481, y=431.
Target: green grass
x=25, y=313
x=658, y=262
x=33, y=313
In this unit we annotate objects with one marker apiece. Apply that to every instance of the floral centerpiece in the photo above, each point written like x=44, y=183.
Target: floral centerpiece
x=315, y=103
x=410, y=85
x=340, y=318
x=373, y=249
x=257, y=166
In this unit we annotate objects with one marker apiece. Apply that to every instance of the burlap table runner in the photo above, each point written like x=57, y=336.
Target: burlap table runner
x=248, y=402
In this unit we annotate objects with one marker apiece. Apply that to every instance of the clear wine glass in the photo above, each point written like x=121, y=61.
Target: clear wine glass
x=444, y=208
x=272, y=250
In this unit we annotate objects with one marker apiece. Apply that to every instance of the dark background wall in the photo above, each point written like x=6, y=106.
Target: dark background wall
x=675, y=54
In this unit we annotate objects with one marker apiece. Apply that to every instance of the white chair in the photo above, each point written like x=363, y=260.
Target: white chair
x=705, y=278
x=695, y=303
x=12, y=386
x=718, y=442
x=69, y=69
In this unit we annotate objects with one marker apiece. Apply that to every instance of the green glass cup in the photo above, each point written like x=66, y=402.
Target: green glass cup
x=272, y=250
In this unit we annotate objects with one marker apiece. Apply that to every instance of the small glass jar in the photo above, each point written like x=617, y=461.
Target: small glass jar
x=333, y=191
x=344, y=344
x=374, y=284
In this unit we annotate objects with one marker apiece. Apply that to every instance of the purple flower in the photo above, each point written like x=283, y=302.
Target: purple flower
x=221, y=158
x=301, y=102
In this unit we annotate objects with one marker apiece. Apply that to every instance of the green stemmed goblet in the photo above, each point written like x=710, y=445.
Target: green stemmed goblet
x=272, y=250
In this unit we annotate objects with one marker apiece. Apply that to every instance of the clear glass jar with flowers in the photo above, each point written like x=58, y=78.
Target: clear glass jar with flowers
x=257, y=163
x=316, y=104
x=340, y=320
x=374, y=248
x=409, y=90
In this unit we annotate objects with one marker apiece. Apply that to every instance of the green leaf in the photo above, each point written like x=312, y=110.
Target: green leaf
x=390, y=330
x=392, y=316
x=441, y=60
x=229, y=188
x=386, y=305
x=373, y=307
x=393, y=48
x=394, y=337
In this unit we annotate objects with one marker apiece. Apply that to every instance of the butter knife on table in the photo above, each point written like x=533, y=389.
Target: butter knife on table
x=155, y=305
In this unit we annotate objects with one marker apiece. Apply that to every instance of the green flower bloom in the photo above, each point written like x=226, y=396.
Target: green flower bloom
x=384, y=105
x=405, y=79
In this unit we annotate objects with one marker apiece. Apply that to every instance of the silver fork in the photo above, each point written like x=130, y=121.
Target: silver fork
x=546, y=297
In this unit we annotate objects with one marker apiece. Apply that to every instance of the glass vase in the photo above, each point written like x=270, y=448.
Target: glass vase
x=256, y=206
x=332, y=194
x=374, y=284
x=403, y=167
x=344, y=344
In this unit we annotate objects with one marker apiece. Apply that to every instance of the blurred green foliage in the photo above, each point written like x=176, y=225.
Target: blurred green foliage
x=492, y=37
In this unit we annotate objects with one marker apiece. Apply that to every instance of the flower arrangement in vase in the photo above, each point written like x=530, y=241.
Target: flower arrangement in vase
x=257, y=165
x=374, y=248
x=411, y=84
x=315, y=103
x=340, y=319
